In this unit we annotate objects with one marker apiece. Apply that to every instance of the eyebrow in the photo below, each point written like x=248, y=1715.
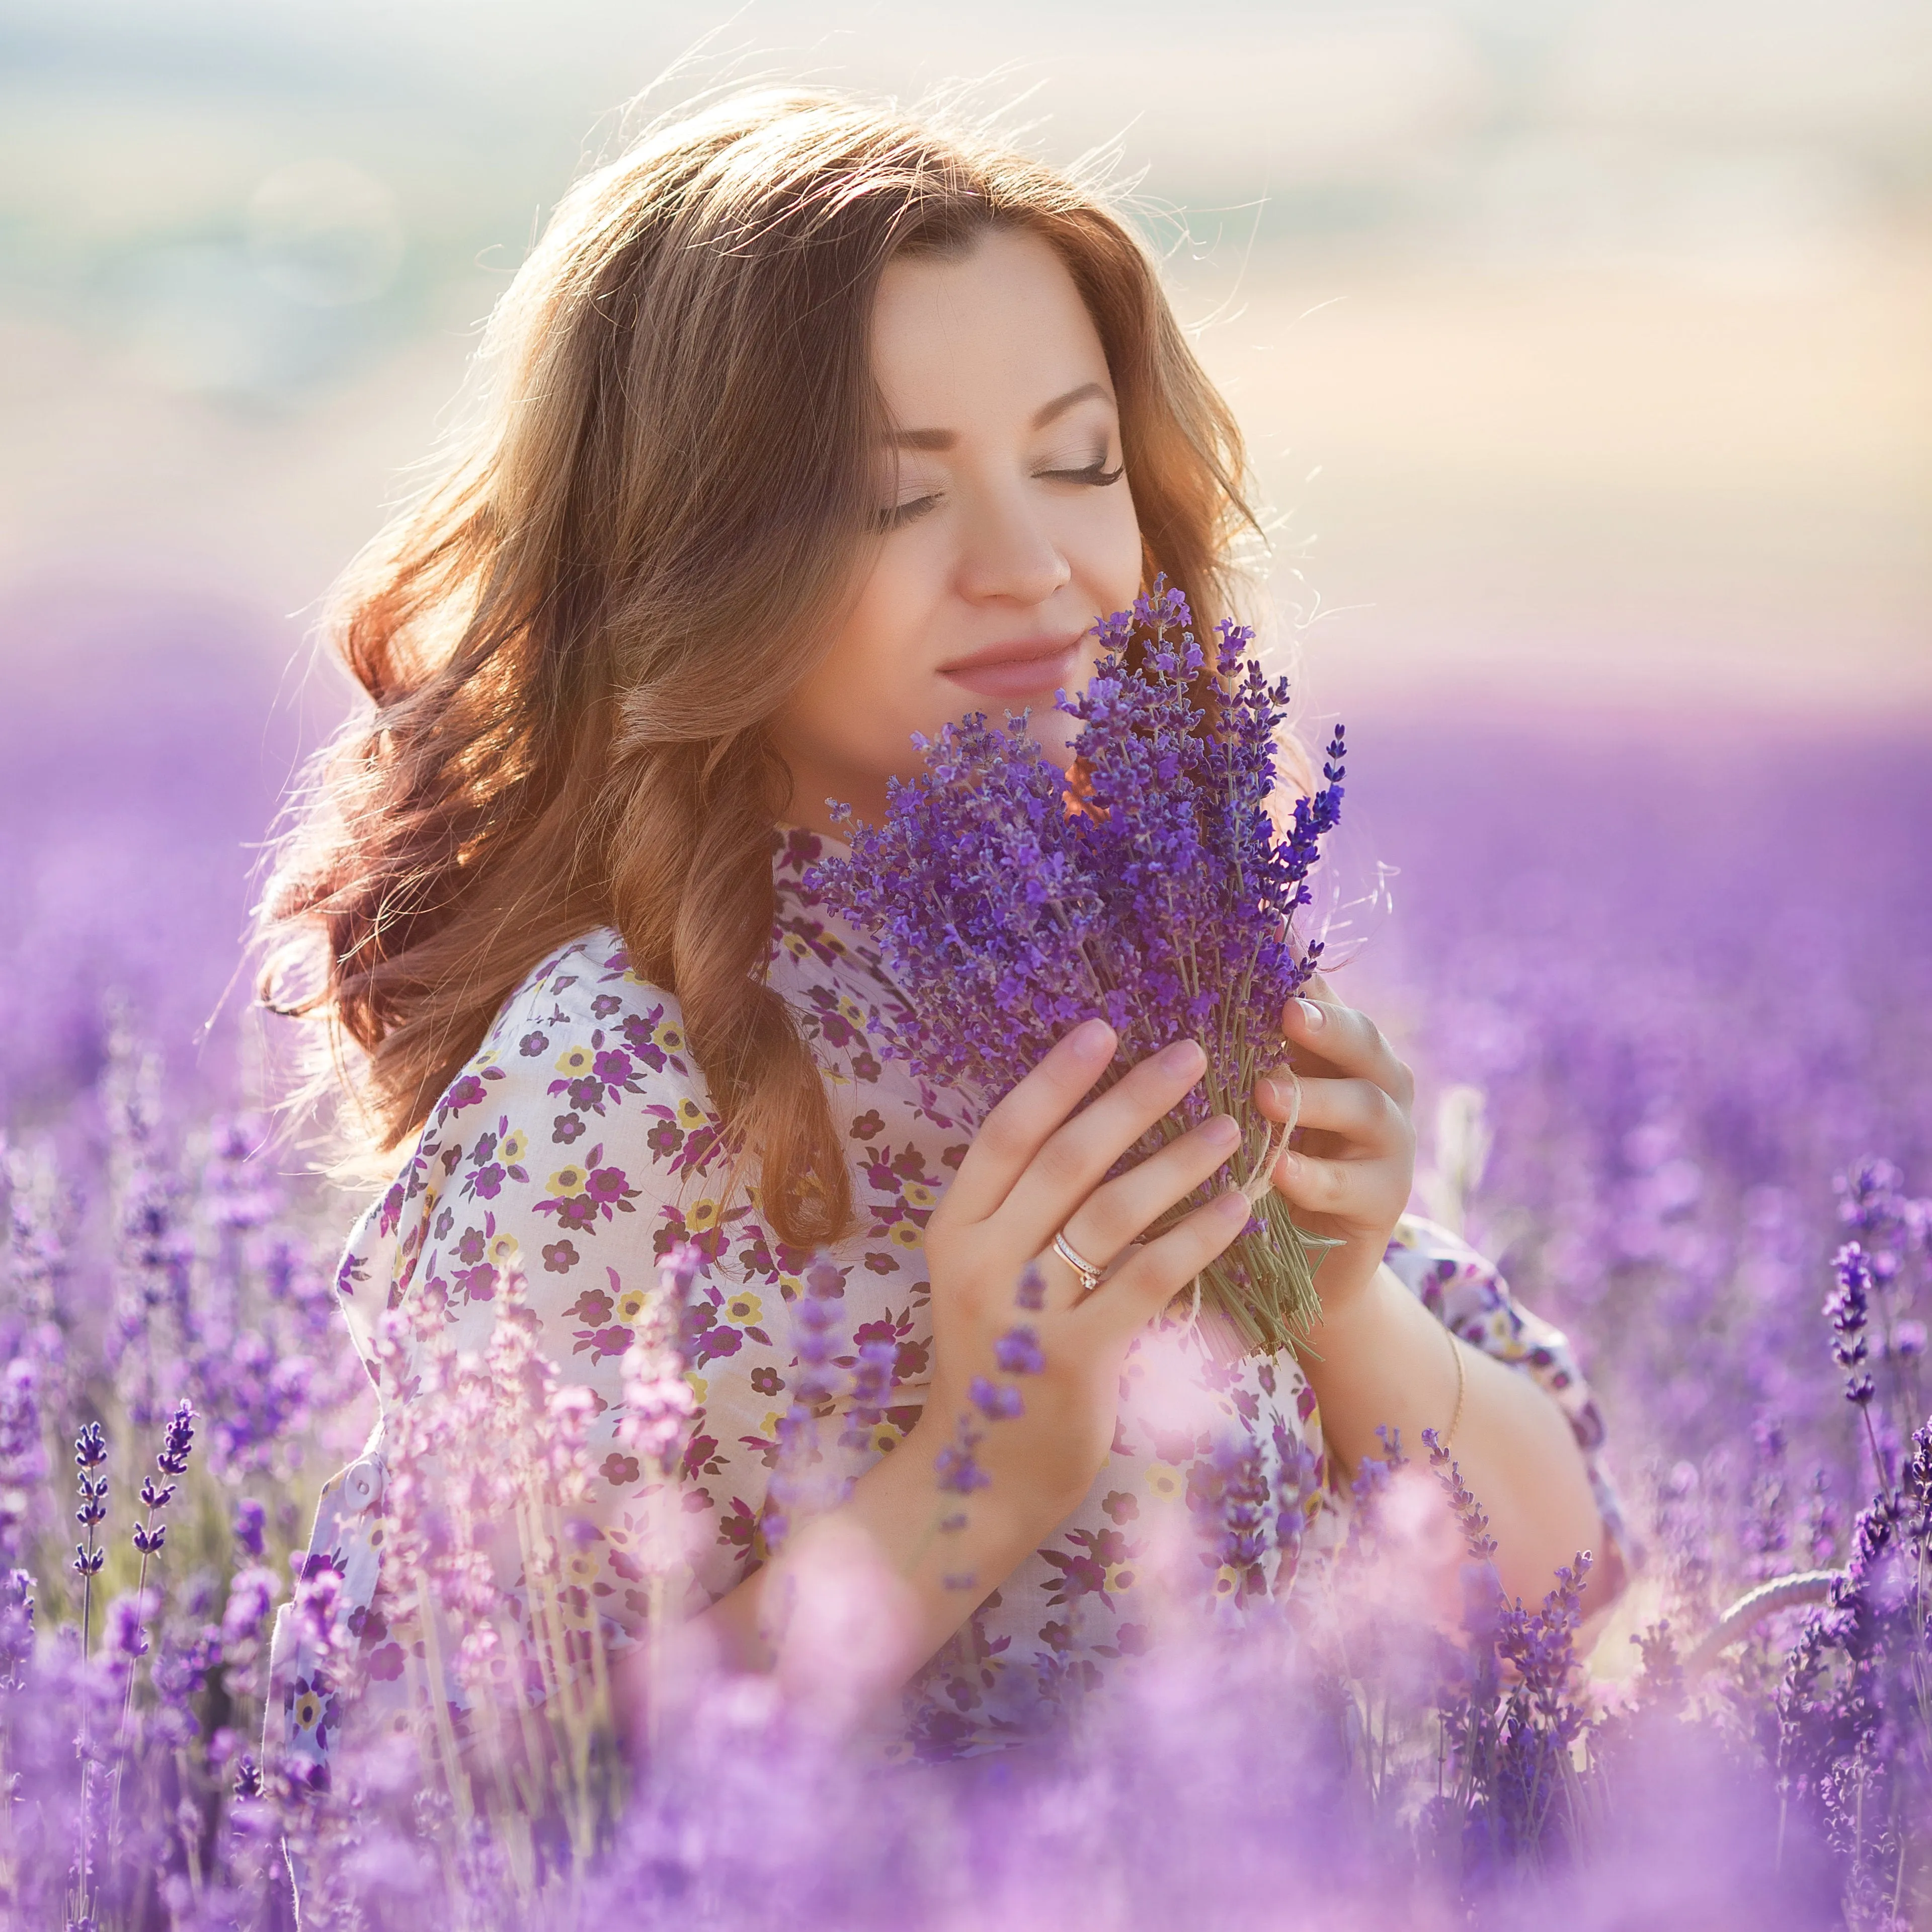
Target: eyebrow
x=944, y=439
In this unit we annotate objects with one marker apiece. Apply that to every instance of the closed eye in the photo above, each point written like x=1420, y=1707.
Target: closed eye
x=902, y=514
x=1094, y=474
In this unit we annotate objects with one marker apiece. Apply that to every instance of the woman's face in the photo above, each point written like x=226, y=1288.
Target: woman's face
x=1007, y=524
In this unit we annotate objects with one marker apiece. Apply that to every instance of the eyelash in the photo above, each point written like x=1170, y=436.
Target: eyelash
x=1093, y=475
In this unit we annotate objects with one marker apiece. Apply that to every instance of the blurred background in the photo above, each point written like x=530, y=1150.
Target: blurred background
x=1585, y=347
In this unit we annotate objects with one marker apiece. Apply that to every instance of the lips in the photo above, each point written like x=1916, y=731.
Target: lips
x=1026, y=668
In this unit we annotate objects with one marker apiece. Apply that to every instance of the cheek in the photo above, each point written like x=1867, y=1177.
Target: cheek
x=892, y=610
x=1120, y=548
x=870, y=693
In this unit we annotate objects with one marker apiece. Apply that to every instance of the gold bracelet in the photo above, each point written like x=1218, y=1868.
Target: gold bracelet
x=1462, y=1385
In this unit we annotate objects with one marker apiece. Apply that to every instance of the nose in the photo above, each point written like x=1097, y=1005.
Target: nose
x=1010, y=555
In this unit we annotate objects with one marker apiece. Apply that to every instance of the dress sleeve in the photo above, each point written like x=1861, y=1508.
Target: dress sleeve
x=1466, y=1294
x=576, y=1148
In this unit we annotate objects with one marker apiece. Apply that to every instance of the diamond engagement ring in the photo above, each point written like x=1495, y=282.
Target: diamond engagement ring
x=1090, y=1275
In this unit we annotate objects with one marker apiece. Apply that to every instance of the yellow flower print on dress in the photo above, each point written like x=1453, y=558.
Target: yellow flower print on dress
x=1164, y=1479
x=1120, y=1577
x=702, y=1216
x=669, y=1035
x=744, y=1308
x=503, y=1250
x=689, y=1113
x=631, y=1304
x=575, y=1060
x=567, y=1183
x=700, y=1386
x=905, y=1235
x=308, y=1711
x=513, y=1146
x=1227, y=1581
x=918, y=1195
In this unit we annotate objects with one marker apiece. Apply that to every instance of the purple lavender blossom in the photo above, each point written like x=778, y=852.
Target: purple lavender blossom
x=1018, y=1351
x=957, y=1465
x=1153, y=888
x=658, y=1404
x=998, y=1401
x=249, y=1518
x=90, y=1452
x=870, y=1391
x=1849, y=1309
x=23, y=1459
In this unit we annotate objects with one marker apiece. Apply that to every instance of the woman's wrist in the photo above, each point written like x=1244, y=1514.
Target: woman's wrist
x=934, y=1556
x=1348, y=1278
x=1013, y=1508
x=1375, y=1358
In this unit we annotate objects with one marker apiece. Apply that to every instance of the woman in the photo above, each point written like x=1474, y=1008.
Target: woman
x=813, y=428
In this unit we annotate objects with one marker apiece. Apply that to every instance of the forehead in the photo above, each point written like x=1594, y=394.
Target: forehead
x=992, y=333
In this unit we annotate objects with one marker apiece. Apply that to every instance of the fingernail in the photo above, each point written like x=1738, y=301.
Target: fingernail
x=1270, y=1092
x=1312, y=1014
x=1184, y=1056
x=1233, y=1203
x=1091, y=1039
x=1221, y=1131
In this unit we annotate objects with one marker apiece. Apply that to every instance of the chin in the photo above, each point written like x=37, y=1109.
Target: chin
x=1054, y=732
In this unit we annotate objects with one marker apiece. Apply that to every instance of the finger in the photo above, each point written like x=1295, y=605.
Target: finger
x=1075, y=1158
x=1015, y=1131
x=1349, y=1042
x=1152, y=1275
x=1119, y=1211
x=1358, y=1111
x=1363, y=1192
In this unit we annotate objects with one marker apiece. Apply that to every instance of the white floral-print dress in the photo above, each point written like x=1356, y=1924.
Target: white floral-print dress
x=580, y=1145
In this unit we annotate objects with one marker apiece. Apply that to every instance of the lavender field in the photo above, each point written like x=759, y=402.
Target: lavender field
x=1581, y=351
x=1667, y=992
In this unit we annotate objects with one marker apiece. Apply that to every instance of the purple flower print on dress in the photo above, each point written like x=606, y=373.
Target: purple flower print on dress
x=1154, y=888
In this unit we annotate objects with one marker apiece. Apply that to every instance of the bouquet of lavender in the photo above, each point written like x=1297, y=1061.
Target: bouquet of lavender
x=1154, y=887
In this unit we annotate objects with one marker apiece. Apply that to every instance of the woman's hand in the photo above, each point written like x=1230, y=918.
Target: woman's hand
x=1350, y=1164
x=1035, y=1168
x=1377, y=1359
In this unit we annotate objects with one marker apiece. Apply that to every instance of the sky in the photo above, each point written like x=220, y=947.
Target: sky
x=1582, y=345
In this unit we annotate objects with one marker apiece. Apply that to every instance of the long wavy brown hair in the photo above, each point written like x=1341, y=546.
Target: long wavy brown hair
x=571, y=640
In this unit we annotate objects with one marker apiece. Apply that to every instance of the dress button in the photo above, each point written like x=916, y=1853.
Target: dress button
x=362, y=1483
